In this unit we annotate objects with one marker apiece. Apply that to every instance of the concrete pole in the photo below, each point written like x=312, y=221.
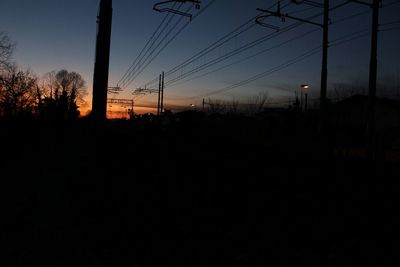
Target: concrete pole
x=101, y=65
x=372, y=80
x=324, y=79
x=162, y=94
x=159, y=96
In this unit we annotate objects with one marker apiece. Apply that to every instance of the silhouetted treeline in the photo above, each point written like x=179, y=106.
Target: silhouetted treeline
x=55, y=97
x=23, y=95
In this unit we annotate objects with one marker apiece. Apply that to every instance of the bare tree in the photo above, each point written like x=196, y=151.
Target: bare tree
x=257, y=104
x=71, y=85
x=341, y=91
x=216, y=106
x=48, y=84
x=18, y=93
x=62, y=93
x=233, y=106
x=6, y=52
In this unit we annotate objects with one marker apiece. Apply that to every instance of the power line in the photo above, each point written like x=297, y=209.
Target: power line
x=303, y=35
x=266, y=50
x=151, y=49
x=390, y=29
x=206, y=50
x=390, y=23
x=280, y=67
x=349, y=38
x=216, y=44
x=236, y=52
x=144, y=48
x=268, y=72
x=142, y=68
x=134, y=64
x=227, y=37
x=390, y=4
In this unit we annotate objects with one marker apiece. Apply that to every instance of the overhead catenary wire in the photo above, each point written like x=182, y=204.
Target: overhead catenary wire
x=282, y=66
x=145, y=47
x=390, y=3
x=149, y=45
x=235, y=52
x=303, y=35
x=154, y=45
x=230, y=54
x=216, y=44
x=140, y=68
x=265, y=50
x=390, y=29
x=342, y=40
x=149, y=60
x=204, y=51
x=390, y=23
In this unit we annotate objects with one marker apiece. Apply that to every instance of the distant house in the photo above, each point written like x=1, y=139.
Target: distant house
x=348, y=119
x=351, y=113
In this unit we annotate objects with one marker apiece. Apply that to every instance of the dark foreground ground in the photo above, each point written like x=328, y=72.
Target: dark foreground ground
x=190, y=195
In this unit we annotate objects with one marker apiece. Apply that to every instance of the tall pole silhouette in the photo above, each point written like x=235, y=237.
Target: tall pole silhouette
x=102, y=60
x=372, y=79
x=159, y=97
x=324, y=75
x=162, y=94
x=323, y=118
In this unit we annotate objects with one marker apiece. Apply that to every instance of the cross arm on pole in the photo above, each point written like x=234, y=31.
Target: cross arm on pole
x=259, y=21
x=157, y=7
x=114, y=90
x=308, y=2
x=120, y=101
x=363, y=3
x=284, y=16
x=143, y=91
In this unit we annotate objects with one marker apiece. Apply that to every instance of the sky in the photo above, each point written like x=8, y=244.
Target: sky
x=60, y=34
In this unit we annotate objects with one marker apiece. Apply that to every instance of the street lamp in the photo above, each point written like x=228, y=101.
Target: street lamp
x=304, y=89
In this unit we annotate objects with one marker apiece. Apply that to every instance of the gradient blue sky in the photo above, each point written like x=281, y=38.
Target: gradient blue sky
x=60, y=34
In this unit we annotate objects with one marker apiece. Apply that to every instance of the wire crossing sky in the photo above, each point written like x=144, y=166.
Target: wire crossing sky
x=222, y=47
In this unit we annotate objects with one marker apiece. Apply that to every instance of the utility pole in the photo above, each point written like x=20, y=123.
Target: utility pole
x=325, y=45
x=324, y=76
x=101, y=65
x=162, y=94
x=159, y=96
x=372, y=80
x=159, y=91
x=373, y=70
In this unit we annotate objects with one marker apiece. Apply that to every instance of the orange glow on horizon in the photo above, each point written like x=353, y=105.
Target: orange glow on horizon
x=115, y=111
x=120, y=113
